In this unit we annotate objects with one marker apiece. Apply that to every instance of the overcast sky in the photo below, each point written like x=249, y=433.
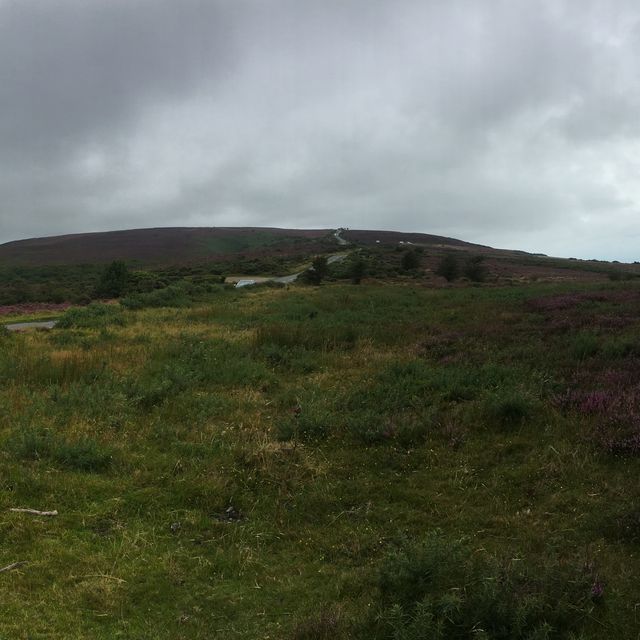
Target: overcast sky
x=506, y=122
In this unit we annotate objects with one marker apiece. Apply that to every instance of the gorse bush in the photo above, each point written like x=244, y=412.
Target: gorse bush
x=441, y=590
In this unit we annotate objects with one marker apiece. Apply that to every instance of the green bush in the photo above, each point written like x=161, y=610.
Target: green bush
x=113, y=281
x=448, y=267
x=94, y=316
x=474, y=269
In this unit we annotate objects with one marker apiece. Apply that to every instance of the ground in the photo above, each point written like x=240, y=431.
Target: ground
x=245, y=466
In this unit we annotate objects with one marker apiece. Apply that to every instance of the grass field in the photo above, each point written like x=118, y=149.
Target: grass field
x=342, y=461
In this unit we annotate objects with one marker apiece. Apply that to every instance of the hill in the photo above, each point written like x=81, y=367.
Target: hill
x=164, y=246
x=68, y=268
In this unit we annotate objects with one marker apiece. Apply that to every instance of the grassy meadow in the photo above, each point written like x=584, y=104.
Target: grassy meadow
x=373, y=461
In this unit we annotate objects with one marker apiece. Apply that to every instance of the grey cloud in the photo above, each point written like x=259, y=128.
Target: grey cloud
x=70, y=70
x=505, y=122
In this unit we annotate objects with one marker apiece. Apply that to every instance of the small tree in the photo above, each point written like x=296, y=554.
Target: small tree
x=113, y=281
x=357, y=270
x=448, y=267
x=410, y=261
x=318, y=270
x=474, y=269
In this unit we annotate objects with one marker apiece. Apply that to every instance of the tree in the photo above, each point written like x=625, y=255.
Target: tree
x=410, y=261
x=448, y=267
x=318, y=270
x=357, y=270
x=474, y=269
x=113, y=281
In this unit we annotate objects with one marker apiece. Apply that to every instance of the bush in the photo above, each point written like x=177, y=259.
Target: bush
x=318, y=270
x=357, y=269
x=113, y=281
x=410, y=261
x=95, y=316
x=174, y=296
x=448, y=267
x=474, y=269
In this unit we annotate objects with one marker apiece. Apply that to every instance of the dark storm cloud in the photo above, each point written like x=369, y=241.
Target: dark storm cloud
x=506, y=122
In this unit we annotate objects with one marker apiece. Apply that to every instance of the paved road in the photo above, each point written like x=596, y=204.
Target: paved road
x=339, y=238
x=22, y=326
x=294, y=276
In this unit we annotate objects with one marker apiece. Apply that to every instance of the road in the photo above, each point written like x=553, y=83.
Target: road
x=338, y=257
x=23, y=326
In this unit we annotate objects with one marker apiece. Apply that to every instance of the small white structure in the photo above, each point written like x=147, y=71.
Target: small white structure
x=244, y=283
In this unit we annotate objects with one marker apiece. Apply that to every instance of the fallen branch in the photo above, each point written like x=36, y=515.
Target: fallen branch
x=12, y=566
x=35, y=512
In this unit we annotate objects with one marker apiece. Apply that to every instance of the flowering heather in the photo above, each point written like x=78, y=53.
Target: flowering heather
x=32, y=307
x=565, y=301
x=597, y=590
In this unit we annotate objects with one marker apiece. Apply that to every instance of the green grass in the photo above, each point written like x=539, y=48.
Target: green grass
x=325, y=462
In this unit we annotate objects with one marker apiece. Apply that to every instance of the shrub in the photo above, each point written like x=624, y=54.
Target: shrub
x=448, y=267
x=357, y=269
x=474, y=269
x=113, y=281
x=95, y=316
x=318, y=270
x=410, y=261
x=173, y=296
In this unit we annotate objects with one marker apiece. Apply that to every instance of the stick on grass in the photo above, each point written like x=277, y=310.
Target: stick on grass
x=35, y=512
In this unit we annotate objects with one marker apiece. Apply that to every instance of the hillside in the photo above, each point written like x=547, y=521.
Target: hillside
x=163, y=246
x=68, y=268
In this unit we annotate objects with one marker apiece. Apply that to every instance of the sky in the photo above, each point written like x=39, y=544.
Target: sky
x=512, y=123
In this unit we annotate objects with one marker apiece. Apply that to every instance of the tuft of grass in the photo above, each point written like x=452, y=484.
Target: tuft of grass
x=509, y=409
x=84, y=454
x=440, y=589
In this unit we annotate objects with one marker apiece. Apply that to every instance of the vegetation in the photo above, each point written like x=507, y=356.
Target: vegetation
x=113, y=281
x=410, y=260
x=318, y=270
x=375, y=461
x=448, y=267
